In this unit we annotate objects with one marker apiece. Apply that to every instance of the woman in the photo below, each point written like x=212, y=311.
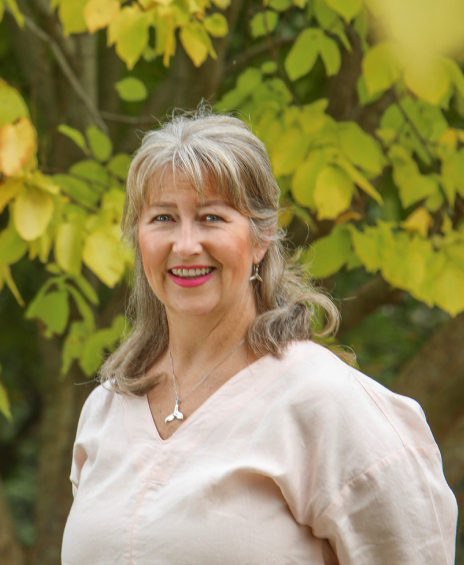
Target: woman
x=222, y=433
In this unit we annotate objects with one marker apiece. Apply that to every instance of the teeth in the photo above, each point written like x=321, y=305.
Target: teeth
x=190, y=273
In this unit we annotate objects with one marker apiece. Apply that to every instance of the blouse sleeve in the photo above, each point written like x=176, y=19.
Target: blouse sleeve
x=372, y=481
x=400, y=510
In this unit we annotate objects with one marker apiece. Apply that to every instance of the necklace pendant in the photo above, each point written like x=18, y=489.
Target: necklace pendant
x=176, y=414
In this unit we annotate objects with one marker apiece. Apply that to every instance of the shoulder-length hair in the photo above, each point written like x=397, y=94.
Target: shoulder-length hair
x=222, y=151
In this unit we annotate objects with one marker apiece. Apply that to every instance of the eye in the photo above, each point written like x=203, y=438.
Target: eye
x=162, y=218
x=212, y=218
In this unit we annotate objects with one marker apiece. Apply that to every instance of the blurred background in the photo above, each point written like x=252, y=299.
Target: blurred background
x=361, y=106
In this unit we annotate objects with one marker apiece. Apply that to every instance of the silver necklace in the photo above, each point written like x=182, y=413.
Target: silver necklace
x=177, y=413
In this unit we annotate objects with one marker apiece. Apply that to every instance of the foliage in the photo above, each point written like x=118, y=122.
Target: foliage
x=392, y=198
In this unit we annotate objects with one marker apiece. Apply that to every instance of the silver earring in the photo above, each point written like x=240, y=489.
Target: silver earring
x=255, y=273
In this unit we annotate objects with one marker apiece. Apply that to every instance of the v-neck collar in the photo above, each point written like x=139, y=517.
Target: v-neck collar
x=155, y=458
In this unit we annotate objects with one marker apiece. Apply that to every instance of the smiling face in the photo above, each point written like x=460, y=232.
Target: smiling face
x=197, y=254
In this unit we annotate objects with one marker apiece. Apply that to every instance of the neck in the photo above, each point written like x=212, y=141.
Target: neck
x=202, y=340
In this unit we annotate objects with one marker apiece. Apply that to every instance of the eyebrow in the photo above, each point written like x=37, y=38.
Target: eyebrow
x=205, y=204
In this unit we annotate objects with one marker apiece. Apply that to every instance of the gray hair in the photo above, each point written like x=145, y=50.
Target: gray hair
x=222, y=150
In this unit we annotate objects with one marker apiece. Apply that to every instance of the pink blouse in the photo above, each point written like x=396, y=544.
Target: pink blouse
x=295, y=461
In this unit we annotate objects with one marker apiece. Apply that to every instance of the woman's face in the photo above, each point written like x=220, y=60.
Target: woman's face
x=197, y=256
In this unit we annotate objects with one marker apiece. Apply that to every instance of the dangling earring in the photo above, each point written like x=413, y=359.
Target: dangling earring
x=255, y=273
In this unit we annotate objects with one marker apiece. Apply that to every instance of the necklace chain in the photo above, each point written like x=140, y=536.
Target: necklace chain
x=179, y=400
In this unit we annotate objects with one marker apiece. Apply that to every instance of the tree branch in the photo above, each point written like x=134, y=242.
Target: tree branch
x=369, y=297
x=121, y=118
x=68, y=72
x=242, y=60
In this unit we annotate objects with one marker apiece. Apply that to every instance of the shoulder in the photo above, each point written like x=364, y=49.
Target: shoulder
x=342, y=398
x=100, y=402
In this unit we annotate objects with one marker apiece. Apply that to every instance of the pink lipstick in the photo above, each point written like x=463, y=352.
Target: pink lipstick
x=190, y=282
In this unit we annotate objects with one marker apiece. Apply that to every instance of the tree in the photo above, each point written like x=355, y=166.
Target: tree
x=364, y=136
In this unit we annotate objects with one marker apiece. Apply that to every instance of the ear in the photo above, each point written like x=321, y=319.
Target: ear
x=260, y=251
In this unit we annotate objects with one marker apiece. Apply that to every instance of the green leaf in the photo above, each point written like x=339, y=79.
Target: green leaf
x=330, y=253
x=363, y=94
x=87, y=289
x=367, y=245
x=12, y=106
x=259, y=27
x=268, y=68
x=304, y=179
x=361, y=148
x=330, y=54
x=448, y=288
x=280, y=5
x=303, y=53
x=131, y=89
x=216, y=25
x=346, y=8
x=96, y=344
x=5, y=403
x=333, y=192
x=129, y=31
x=222, y=4
x=91, y=171
x=71, y=14
x=78, y=189
x=326, y=17
x=75, y=135
x=12, y=247
x=119, y=165
x=430, y=83
x=15, y=12
x=289, y=152
x=73, y=345
x=100, y=143
x=380, y=67
x=52, y=309
x=196, y=42
x=69, y=245
x=84, y=309
x=413, y=186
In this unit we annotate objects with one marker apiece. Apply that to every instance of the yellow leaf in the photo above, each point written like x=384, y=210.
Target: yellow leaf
x=129, y=31
x=17, y=145
x=12, y=106
x=333, y=192
x=423, y=27
x=68, y=247
x=330, y=253
x=5, y=403
x=289, y=151
x=285, y=217
x=362, y=149
x=72, y=16
x=380, y=67
x=196, y=42
x=304, y=179
x=102, y=256
x=40, y=180
x=429, y=82
x=32, y=213
x=449, y=287
x=359, y=179
x=419, y=221
x=216, y=25
x=9, y=189
x=100, y=13
x=346, y=8
x=5, y=276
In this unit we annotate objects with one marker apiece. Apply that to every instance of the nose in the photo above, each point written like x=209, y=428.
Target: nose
x=187, y=241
